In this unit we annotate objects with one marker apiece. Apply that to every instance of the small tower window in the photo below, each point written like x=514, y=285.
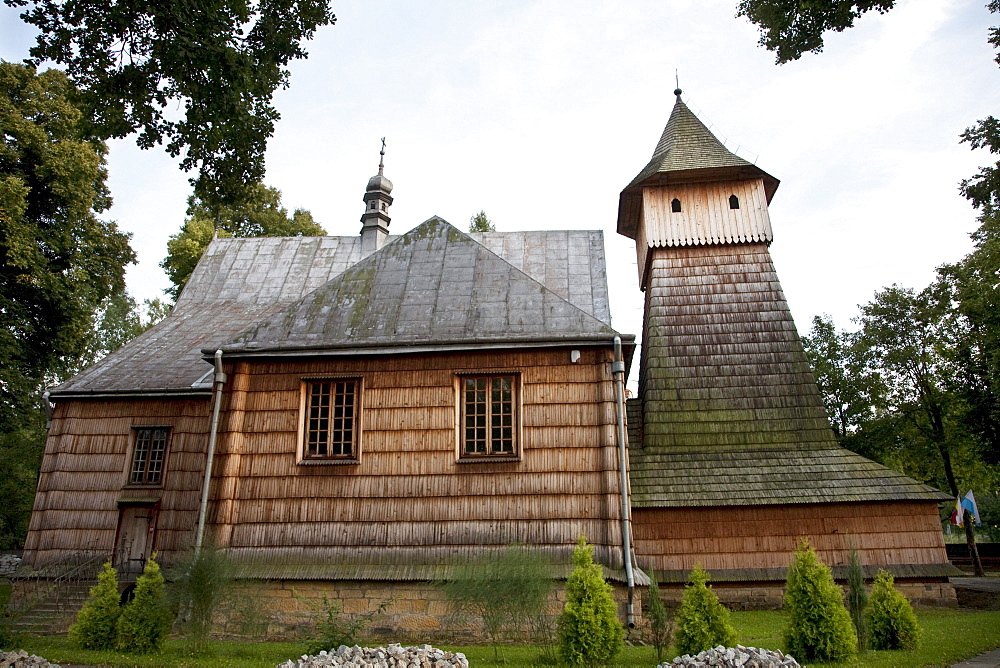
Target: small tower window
x=372, y=205
x=734, y=202
x=675, y=205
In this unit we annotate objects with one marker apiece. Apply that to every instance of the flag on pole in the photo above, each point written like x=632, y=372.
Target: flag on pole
x=957, y=516
x=969, y=503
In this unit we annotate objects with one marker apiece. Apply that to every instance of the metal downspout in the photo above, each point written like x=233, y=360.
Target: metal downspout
x=618, y=370
x=220, y=380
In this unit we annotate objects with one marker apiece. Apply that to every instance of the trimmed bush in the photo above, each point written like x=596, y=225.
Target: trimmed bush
x=891, y=621
x=702, y=621
x=145, y=620
x=820, y=627
x=589, y=630
x=96, y=623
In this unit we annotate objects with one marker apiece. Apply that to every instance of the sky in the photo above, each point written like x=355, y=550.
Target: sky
x=540, y=112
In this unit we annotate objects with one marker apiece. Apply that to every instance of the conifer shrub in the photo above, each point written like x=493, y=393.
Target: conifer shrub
x=659, y=620
x=589, y=630
x=702, y=621
x=892, y=623
x=96, y=623
x=145, y=620
x=820, y=627
x=857, y=597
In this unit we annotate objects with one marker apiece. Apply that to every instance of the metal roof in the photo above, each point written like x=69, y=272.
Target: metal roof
x=240, y=282
x=433, y=285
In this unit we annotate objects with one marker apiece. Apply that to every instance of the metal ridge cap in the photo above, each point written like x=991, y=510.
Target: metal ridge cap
x=440, y=346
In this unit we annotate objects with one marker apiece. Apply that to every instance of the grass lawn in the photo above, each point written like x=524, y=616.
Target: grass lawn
x=949, y=636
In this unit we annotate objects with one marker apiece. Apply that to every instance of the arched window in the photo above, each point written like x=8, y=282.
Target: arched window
x=675, y=205
x=734, y=202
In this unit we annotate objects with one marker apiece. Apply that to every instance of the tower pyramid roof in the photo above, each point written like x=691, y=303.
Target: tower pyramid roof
x=687, y=152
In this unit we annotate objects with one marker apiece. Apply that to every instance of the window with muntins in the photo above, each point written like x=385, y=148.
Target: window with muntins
x=331, y=419
x=489, y=424
x=148, y=455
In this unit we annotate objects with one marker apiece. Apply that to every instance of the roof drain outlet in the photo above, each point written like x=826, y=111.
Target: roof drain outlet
x=219, y=380
x=618, y=370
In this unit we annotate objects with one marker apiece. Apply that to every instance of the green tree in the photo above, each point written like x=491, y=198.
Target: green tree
x=890, y=619
x=220, y=64
x=702, y=621
x=258, y=214
x=857, y=596
x=96, y=623
x=480, y=223
x=58, y=261
x=790, y=29
x=819, y=626
x=20, y=458
x=507, y=590
x=145, y=620
x=907, y=335
x=589, y=630
x=845, y=382
x=659, y=620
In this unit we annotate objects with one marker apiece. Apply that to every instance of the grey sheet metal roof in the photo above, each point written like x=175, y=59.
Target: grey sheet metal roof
x=433, y=285
x=239, y=282
x=687, y=151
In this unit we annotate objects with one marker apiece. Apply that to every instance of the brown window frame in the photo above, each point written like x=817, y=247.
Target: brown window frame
x=150, y=453
x=314, y=424
x=490, y=420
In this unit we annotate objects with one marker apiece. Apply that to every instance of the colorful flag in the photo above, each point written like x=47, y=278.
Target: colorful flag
x=969, y=503
x=957, y=516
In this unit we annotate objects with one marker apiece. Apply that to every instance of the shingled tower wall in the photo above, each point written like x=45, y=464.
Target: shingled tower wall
x=732, y=457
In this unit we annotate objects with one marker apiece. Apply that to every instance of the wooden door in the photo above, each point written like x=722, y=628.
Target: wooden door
x=136, y=531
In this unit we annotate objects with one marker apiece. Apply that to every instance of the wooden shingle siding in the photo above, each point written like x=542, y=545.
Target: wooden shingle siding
x=730, y=410
x=764, y=537
x=408, y=493
x=85, y=470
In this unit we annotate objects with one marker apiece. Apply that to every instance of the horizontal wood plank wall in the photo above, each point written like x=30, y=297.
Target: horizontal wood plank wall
x=85, y=469
x=758, y=537
x=408, y=497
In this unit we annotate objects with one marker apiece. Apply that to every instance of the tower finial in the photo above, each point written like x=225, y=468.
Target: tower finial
x=677, y=82
x=381, y=157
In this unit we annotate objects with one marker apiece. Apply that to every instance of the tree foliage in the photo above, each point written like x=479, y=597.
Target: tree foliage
x=480, y=223
x=96, y=624
x=219, y=63
x=58, y=261
x=589, y=630
x=857, y=596
x=819, y=626
x=891, y=621
x=258, y=213
x=145, y=620
x=702, y=621
x=659, y=620
x=790, y=29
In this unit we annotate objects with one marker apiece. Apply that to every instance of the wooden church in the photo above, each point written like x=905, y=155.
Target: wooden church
x=351, y=416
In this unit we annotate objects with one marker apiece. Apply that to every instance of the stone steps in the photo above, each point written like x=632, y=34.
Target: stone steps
x=55, y=613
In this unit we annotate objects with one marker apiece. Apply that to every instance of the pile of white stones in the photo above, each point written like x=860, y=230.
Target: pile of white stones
x=21, y=659
x=748, y=657
x=423, y=656
x=8, y=563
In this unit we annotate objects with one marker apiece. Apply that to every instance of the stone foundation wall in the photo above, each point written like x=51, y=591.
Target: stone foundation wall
x=418, y=611
x=414, y=611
